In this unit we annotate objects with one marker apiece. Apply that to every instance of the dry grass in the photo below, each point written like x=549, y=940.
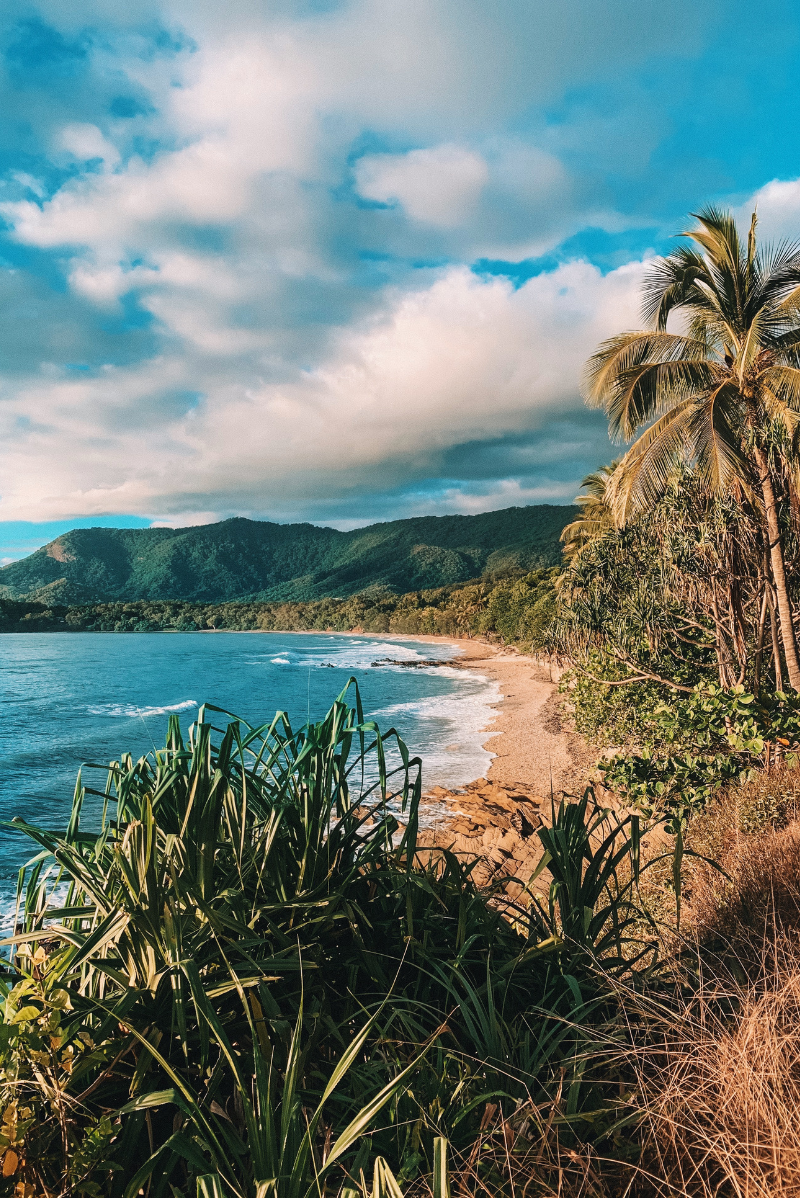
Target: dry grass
x=719, y=1086
x=753, y=833
x=718, y=1072
x=525, y=1154
x=759, y=899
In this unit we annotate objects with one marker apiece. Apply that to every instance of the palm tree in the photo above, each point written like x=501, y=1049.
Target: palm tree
x=596, y=515
x=723, y=394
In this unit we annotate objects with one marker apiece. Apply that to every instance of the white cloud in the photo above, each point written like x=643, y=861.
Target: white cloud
x=184, y=520
x=203, y=182
x=87, y=142
x=465, y=358
x=778, y=208
x=234, y=229
x=440, y=185
x=500, y=493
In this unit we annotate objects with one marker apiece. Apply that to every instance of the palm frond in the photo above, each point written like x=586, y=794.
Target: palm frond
x=596, y=517
x=751, y=345
x=646, y=470
x=781, y=272
x=782, y=343
x=670, y=284
x=719, y=237
x=638, y=376
x=716, y=440
x=782, y=384
x=744, y=284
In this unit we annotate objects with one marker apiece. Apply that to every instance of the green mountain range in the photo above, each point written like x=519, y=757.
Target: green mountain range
x=260, y=560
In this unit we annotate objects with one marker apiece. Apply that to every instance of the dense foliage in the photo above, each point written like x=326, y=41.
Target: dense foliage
x=240, y=560
x=251, y=982
x=677, y=606
x=708, y=738
x=517, y=608
x=667, y=624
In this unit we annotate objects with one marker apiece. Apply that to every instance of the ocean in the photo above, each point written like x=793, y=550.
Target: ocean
x=69, y=699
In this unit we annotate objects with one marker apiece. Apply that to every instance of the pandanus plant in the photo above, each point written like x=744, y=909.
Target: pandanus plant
x=218, y=870
x=722, y=393
x=247, y=979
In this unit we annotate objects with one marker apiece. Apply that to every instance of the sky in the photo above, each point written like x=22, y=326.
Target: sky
x=342, y=260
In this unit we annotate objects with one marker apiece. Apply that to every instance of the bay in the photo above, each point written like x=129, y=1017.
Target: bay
x=68, y=699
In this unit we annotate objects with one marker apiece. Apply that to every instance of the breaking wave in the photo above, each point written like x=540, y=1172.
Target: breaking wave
x=131, y=710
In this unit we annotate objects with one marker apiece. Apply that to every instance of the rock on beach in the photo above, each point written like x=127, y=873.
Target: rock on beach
x=493, y=823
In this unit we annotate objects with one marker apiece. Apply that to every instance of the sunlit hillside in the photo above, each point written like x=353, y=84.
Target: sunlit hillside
x=261, y=560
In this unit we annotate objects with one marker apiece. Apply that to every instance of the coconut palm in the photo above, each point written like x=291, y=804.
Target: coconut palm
x=723, y=394
x=596, y=515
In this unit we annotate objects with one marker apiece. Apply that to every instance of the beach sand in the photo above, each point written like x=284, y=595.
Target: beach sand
x=492, y=821
x=530, y=736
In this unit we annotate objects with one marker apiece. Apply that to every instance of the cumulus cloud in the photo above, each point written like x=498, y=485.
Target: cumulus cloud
x=778, y=207
x=229, y=327
x=440, y=185
x=466, y=358
x=87, y=143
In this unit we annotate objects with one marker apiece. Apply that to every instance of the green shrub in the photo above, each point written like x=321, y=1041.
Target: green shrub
x=249, y=981
x=701, y=741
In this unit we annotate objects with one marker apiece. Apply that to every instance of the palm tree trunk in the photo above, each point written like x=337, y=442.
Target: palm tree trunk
x=719, y=641
x=778, y=570
x=762, y=620
x=777, y=666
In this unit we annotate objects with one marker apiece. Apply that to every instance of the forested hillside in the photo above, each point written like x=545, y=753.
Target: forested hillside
x=516, y=609
x=241, y=560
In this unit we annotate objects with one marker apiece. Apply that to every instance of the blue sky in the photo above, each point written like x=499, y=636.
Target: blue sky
x=342, y=261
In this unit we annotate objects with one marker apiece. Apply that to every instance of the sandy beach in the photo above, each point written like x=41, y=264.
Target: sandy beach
x=492, y=821
x=531, y=742
x=529, y=737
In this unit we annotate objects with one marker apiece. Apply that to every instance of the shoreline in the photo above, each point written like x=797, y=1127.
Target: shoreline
x=528, y=738
x=491, y=821
x=531, y=747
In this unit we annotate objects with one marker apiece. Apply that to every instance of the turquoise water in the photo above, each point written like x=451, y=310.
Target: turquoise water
x=74, y=698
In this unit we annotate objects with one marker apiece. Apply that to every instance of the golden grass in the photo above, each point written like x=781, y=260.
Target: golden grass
x=720, y=1090
x=718, y=1072
x=740, y=913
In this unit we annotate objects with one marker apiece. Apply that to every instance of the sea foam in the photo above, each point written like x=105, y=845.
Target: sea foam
x=131, y=710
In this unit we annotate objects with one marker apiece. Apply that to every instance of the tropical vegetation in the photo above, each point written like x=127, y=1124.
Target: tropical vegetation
x=241, y=971
x=515, y=607
x=677, y=607
x=247, y=978
x=241, y=560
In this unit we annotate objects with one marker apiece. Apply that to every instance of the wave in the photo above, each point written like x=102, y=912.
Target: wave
x=446, y=730
x=447, y=733
x=356, y=655
x=132, y=710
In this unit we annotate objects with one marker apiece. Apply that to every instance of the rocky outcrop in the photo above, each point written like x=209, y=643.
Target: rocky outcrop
x=493, y=823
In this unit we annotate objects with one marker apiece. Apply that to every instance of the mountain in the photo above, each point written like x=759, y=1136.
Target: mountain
x=260, y=560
